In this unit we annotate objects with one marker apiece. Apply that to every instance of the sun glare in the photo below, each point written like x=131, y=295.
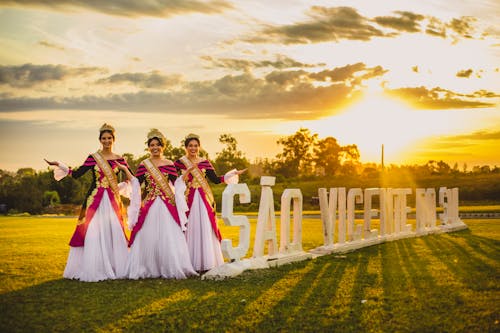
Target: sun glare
x=378, y=119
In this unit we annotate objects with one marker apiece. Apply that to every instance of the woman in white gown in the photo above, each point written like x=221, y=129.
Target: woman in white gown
x=157, y=244
x=98, y=247
x=202, y=234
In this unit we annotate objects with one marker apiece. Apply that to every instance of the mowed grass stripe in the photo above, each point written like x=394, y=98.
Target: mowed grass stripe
x=149, y=311
x=372, y=314
x=263, y=306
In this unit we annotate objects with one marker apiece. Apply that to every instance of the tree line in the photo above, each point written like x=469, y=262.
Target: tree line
x=303, y=158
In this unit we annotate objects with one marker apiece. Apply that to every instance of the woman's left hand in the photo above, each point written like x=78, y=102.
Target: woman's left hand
x=122, y=167
x=55, y=163
x=239, y=172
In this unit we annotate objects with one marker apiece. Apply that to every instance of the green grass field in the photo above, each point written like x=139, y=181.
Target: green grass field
x=437, y=283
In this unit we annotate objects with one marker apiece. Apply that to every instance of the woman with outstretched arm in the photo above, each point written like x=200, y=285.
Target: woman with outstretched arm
x=98, y=247
x=202, y=234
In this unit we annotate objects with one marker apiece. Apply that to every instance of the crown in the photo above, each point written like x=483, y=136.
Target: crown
x=107, y=127
x=155, y=133
x=192, y=136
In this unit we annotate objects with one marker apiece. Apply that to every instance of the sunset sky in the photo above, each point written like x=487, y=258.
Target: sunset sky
x=420, y=77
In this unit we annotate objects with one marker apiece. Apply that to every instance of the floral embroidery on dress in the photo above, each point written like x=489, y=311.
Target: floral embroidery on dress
x=154, y=191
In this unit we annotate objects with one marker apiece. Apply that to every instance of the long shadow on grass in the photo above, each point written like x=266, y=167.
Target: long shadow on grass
x=413, y=301
x=362, y=280
x=304, y=306
x=461, y=262
x=479, y=282
x=488, y=247
x=437, y=315
x=395, y=284
x=152, y=305
x=64, y=305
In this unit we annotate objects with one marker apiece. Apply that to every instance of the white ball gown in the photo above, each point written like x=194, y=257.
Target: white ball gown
x=99, y=245
x=157, y=244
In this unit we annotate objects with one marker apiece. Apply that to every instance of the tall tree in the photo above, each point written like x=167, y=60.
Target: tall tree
x=230, y=157
x=297, y=156
x=330, y=156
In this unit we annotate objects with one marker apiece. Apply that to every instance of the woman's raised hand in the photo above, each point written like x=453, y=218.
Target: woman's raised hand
x=239, y=172
x=51, y=162
x=122, y=167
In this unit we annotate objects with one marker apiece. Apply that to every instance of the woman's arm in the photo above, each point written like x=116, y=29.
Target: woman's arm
x=62, y=170
x=126, y=170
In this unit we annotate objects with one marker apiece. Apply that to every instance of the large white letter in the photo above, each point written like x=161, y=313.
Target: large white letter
x=369, y=213
x=266, y=221
x=230, y=252
x=448, y=199
x=285, y=245
x=425, y=210
x=401, y=210
x=355, y=195
x=328, y=207
x=342, y=214
x=386, y=212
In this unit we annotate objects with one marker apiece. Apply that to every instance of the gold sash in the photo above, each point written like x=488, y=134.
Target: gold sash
x=197, y=174
x=160, y=179
x=108, y=172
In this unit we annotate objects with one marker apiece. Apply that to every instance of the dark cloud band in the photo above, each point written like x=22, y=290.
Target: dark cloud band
x=29, y=75
x=130, y=8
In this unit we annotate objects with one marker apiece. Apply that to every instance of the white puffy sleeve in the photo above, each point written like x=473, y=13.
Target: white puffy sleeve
x=180, y=202
x=125, y=188
x=135, y=203
x=61, y=171
x=231, y=177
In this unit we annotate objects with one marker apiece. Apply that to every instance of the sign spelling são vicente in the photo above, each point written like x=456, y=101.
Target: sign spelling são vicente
x=337, y=214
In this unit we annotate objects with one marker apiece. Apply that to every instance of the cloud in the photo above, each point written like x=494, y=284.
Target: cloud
x=130, y=8
x=332, y=24
x=435, y=27
x=463, y=26
x=51, y=45
x=483, y=94
x=406, y=21
x=325, y=24
x=477, y=136
x=288, y=78
x=438, y=98
x=349, y=73
x=493, y=31
x=29, y=75
x=153, y=79
x=469, y=140
x=457, y=28
x=305, y=102
x=281, y=62
x=280, y=95
x=464, y=73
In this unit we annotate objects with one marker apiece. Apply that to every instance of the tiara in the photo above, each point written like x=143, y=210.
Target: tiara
x=192, y=136
x=155, y=133
x=107, y=127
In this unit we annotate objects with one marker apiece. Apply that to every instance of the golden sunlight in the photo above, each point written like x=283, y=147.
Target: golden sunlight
x=378, y=119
